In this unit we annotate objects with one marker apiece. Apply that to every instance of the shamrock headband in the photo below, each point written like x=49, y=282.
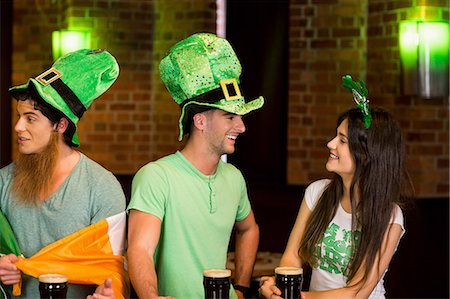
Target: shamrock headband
x=359, y=92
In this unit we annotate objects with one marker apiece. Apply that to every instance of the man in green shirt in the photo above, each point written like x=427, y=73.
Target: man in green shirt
x=184, y=206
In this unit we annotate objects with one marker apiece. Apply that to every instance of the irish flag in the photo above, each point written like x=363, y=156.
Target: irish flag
x=88, y=256
x=8, y=244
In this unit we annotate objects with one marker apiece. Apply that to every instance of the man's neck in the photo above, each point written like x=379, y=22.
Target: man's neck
x=67, y=159
x=205, y=162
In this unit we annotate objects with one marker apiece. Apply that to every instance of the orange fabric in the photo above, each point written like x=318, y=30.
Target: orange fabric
x=17, y=288
x=85, y=257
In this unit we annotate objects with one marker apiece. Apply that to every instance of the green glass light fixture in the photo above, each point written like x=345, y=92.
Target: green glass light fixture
x=66, y=41
x=424, y=55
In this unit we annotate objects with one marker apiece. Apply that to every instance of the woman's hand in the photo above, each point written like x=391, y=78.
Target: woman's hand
x=9, y=273
x=268, y=289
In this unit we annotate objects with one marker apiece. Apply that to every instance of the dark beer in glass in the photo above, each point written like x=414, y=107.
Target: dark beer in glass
x=289, y=281
x=53, y=286
x=216, y=283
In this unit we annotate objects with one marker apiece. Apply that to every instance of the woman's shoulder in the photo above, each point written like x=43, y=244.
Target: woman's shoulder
x=317, y=186
x=397, y=215
x=314, y=191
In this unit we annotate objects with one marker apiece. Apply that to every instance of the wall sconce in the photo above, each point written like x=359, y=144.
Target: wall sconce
x=65, y=41
x=424, y=55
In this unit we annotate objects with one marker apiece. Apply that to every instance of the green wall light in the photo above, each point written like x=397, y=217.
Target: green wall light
x=409, y=41
x=424, y=55
x=65, y=41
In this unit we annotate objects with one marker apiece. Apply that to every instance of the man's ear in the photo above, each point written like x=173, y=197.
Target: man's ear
x=199, y=121
x=62, y=125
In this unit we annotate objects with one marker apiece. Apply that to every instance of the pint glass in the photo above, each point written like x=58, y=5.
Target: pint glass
x=216, y=283
x=289, y=281
x=53, y=286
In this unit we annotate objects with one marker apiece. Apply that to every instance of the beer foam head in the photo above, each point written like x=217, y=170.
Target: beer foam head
x=289, y=270
x=217, y=273
x=53, y=278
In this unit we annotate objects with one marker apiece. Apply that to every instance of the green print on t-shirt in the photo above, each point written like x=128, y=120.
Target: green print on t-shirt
x=335, y=253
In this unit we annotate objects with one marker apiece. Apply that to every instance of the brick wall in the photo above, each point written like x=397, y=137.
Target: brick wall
x=425, y=122
x=136, y=120
x=175, y=20
x=331, y=38
x=327, y=39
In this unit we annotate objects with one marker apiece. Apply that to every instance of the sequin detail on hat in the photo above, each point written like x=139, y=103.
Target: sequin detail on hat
x=195, y=66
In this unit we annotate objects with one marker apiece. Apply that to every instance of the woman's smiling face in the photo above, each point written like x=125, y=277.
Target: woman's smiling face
x=341, y=160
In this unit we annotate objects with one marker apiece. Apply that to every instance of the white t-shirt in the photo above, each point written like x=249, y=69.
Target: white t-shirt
x=335, y=248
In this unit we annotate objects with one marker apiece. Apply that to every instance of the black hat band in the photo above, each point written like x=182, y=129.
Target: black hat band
x=53, y=77
x=228, y=90
x=69, y=97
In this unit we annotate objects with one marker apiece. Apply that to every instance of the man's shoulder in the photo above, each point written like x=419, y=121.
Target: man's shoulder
x=159, y=165
x=91, y=166
x=167, y=161
x=230, y=168
x=7, y=170
x=7, y=167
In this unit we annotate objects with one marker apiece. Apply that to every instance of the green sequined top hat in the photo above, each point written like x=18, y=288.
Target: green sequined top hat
x=203, y=69
x=73, y=82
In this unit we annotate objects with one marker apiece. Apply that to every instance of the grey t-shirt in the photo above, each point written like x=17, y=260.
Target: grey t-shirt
x=89, y=194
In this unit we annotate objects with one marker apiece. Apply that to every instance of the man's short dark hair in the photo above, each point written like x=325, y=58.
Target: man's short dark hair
x=189, y=113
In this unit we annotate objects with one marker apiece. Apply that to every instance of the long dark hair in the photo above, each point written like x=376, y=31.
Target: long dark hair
x=380, y=181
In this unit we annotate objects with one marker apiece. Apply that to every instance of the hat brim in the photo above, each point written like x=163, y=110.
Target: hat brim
x=48, y=95
x=239, y=107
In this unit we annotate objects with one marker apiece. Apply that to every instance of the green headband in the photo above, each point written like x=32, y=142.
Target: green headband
x=359, y=92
